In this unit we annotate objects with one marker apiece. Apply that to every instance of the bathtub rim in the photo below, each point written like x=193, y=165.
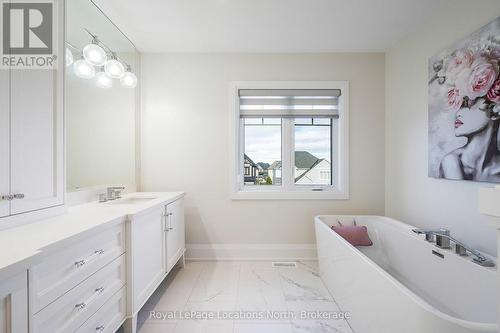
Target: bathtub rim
x=490, y=327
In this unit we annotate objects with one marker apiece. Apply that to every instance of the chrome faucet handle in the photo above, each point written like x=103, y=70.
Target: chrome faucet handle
x=103, y=197
x=443, y=242
x=460, y=250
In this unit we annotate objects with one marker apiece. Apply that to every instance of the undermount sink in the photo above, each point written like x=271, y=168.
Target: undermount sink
x=130, y=201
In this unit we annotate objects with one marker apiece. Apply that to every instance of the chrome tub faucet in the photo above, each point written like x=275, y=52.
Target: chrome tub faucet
x=443, y=240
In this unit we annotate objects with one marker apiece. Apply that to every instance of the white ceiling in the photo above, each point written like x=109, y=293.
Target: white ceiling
x=267, y=25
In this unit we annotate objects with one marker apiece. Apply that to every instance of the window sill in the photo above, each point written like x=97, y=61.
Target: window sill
x=290, y=195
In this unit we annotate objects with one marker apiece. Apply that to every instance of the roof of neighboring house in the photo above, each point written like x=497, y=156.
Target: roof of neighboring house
x=263, y=165
x=305, y=160
x=250, y=160
x=312, y=167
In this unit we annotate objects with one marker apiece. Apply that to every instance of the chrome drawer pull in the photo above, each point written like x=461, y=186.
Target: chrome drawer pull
x=80, y=263
x=99, y=328
x=83, y=262
x=18, y=196
x=8, y=197
x=81, y=306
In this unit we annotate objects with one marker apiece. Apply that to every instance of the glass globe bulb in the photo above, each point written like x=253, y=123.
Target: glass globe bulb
x=94, y=54
x=129, y=80
x=83, y=69
x=68, y=55
x=114, y=69
x=103, y=80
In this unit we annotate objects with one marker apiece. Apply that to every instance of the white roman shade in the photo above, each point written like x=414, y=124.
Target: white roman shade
x=289, y=103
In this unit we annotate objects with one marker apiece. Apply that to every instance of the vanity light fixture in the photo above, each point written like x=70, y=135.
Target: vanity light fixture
x=129, y=80
x=68, y=57
x=83, y=69
x=114, y=68
x=95, y=54
x=103, y=80
x=100, y=61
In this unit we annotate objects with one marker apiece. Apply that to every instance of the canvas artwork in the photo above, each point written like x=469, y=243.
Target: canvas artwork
x=464, y=108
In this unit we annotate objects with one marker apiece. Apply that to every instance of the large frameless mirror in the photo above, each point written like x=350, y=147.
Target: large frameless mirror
x=100, y=100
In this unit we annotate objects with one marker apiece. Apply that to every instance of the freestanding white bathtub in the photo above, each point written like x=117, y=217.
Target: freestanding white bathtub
x=399, y=285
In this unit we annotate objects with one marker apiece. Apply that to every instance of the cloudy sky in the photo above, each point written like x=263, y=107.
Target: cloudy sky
x=263, y=143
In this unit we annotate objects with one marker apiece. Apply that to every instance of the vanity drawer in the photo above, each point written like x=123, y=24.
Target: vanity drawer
x=109, y=317
x=70, y=311
x=60, y=272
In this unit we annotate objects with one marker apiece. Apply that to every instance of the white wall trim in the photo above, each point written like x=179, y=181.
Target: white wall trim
x=251, y=252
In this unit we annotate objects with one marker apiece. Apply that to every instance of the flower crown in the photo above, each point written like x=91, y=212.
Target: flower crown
x=470, y=74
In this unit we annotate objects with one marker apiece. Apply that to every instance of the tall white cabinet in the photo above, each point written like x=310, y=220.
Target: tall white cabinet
x=4, y=142
x=31, y=136
x=36, y=140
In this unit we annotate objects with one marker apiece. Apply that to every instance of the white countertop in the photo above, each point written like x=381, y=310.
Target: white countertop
x=21, y=246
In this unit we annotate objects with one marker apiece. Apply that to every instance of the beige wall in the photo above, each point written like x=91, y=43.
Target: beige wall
x=410, y=195
x=185, y=141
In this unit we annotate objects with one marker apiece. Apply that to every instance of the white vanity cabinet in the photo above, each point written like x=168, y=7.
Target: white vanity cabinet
x=175, y=243
x=77, y=278
x=31, y=134
x=146, y=263
x=156, y=242
x=14, y=304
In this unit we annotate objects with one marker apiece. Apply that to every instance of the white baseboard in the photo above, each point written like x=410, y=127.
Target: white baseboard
x=251, y=252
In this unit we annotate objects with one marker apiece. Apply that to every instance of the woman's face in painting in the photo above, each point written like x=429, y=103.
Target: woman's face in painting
x=471, y=120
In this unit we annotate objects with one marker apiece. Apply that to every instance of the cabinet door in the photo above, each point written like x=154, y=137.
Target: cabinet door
x=146, y=255
x=36, y=140
x=14, y=305
x=4, y=141
x=37, y=133
x=174, y=232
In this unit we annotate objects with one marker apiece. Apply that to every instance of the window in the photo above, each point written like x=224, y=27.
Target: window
x=290, y=140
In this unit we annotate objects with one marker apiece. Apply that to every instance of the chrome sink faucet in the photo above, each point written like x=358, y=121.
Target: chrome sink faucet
x=443, y=240
x=114, y=192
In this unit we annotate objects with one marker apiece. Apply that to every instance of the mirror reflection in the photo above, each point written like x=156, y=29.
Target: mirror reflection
x=100, y=103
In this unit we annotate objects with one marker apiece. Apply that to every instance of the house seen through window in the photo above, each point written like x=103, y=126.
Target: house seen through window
x=288, y=138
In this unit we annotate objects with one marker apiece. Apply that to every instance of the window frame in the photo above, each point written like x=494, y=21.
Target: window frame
x=288, y=188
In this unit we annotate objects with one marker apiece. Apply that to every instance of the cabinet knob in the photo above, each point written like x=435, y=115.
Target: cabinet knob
x=18, y=196
x=8, y=197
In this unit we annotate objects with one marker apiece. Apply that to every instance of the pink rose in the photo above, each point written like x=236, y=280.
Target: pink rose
x=453, y=100
x=494, y=93
x=461, y=59
x=475, y=81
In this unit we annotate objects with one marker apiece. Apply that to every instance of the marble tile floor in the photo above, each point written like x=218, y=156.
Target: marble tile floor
x=242, y=297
